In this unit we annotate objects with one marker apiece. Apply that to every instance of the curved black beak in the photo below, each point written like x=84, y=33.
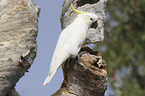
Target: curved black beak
x=94, y=25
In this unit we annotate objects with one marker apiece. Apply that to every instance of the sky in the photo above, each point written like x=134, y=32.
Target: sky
x=31, y=84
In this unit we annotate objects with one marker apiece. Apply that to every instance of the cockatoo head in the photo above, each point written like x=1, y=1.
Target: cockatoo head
x=89, y=18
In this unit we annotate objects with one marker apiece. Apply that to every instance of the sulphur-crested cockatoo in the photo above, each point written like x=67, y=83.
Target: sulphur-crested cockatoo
x=71, y=40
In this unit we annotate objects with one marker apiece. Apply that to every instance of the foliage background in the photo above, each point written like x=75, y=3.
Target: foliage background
x=124, y=46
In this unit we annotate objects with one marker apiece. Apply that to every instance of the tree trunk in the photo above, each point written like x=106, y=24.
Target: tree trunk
x=18, y=32
x=86, y=77
x=86, y=74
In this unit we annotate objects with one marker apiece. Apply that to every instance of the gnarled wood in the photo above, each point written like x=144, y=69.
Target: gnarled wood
x=88, y=77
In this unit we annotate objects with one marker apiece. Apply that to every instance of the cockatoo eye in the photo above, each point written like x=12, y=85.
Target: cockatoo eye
x=91, y=19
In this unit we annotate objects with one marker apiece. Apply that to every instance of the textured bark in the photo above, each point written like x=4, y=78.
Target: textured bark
x=92, y=6
x=18, y=32
x=86, y=75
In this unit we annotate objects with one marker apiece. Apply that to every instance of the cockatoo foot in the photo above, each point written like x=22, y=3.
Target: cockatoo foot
x=79, y=55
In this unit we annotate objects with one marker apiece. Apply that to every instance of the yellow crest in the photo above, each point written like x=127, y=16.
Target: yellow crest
x=77, y=11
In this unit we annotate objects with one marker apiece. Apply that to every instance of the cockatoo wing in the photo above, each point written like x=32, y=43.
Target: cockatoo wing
x=60, y=54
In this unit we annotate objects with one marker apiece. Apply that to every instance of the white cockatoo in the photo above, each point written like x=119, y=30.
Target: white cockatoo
x=71, y=40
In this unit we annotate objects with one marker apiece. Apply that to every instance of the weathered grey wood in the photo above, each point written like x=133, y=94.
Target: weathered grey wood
x=18, y=32
x=97, y=7
x=88, y=77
